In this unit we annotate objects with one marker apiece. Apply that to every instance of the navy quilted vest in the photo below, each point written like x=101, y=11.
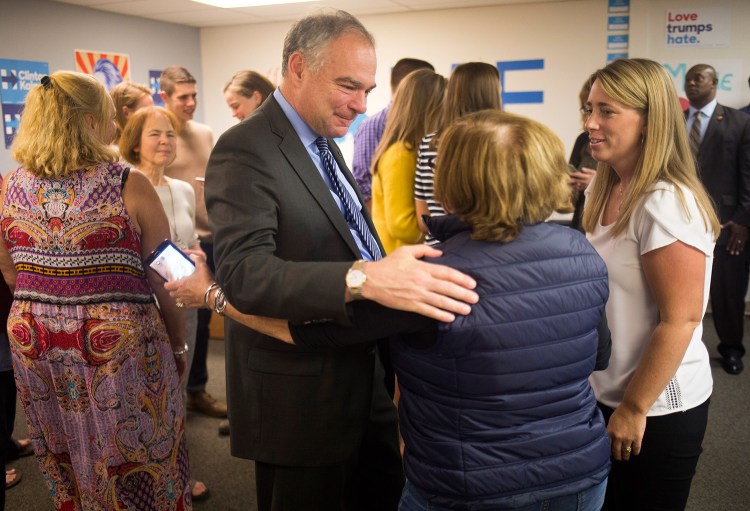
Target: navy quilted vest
x=500, y=405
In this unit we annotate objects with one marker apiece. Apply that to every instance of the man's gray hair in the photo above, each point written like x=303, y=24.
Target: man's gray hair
x=310, y=36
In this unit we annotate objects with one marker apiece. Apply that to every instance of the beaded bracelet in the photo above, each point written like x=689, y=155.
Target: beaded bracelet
x=184, y=350
x=208, y=292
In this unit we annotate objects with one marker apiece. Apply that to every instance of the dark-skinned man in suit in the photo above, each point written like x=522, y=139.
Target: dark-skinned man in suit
x=721, y=141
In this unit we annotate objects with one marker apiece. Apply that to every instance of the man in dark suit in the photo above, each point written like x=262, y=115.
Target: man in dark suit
x=288, y=223
x=720, y=137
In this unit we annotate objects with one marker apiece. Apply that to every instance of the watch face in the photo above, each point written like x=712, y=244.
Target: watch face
x=355, y=278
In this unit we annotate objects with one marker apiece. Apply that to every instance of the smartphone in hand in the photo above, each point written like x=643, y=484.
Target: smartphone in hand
x=170, y=262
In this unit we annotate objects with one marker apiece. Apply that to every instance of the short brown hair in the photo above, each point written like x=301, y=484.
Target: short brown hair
x=312, y=34
x=131, y=135
x=405, y=66
x=172, y=76
x=498, y=171
x=54, y=138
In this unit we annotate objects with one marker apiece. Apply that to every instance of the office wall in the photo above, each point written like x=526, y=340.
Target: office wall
x=46, y=31
x=555, y=32
x=570, y=36
x=732, y=62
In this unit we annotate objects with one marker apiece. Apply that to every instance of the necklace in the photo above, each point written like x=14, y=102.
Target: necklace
x=620, y=194
x=173, y=221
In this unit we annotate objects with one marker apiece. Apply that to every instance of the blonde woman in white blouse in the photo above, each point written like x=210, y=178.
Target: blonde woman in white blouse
x=652, y=222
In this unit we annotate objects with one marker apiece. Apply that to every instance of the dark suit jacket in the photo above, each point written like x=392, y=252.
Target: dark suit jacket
x=724, y=165
x=282, y=249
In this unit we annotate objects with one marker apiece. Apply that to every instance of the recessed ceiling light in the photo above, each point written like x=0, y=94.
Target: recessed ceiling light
x=230, y=4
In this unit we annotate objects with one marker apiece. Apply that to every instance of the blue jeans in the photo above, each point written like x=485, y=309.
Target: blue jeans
x=587, y=500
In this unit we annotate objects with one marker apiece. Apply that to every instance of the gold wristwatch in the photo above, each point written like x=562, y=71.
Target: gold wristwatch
x=356, y=278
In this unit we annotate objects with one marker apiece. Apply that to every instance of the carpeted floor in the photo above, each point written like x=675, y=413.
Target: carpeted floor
x=721, y=483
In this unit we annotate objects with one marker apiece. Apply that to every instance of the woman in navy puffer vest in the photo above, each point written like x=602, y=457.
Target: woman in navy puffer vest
x=498, y=412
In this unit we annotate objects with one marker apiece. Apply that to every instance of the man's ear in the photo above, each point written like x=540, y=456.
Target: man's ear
x=164, y=96
x=296, y=65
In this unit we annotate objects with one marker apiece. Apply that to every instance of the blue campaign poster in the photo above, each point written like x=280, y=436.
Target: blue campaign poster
x=619, y=6
x=618, y=22
x=18, y=76
x=153, y=84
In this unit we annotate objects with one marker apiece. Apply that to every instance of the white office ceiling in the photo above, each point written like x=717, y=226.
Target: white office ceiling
x=187, y=12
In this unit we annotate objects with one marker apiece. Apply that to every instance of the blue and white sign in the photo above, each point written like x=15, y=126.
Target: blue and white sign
x=614, y=56
x=618, y=6
x=618, y=22
x=17, y=78
x=617, y=42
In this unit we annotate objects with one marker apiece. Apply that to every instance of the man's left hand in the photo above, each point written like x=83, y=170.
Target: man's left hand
x=738, y=235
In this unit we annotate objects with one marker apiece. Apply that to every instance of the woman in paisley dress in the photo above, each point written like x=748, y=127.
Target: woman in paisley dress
x=97, y=364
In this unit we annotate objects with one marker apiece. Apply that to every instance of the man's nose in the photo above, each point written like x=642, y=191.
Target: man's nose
x=359, y=104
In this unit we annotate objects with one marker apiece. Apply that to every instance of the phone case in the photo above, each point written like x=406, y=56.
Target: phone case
x=170, y=262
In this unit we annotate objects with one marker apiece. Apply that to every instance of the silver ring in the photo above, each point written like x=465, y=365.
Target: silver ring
x=179, y=304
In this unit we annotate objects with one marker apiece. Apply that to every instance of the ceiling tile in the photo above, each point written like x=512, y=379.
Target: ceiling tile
x=190, y=13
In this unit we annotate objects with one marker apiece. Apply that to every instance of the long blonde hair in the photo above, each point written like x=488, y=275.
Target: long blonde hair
x=497, y=171
x=645, y=86
x=53, y=138
x=414, y=112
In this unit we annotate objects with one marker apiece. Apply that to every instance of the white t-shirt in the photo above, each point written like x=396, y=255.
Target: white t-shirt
x=632, y=312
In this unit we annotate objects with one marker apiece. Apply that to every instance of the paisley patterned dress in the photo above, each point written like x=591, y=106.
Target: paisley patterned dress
x=93, y=364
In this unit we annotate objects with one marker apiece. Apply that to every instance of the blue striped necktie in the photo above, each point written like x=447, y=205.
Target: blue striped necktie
x=352, y=213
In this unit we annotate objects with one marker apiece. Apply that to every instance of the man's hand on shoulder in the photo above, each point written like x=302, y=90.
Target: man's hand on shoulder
x=401, y=281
